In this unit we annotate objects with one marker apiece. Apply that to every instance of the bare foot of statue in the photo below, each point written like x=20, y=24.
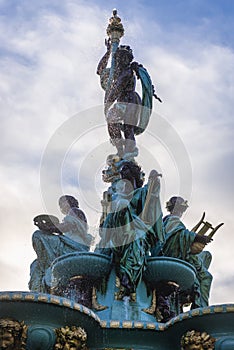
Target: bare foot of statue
x=152, y=309
x=120, y=294
x=95, y=305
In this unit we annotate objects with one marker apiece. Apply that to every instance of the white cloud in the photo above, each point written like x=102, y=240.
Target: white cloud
x=45, y=78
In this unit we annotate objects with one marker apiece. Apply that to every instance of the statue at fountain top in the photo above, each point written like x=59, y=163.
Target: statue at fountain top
x=126, y=112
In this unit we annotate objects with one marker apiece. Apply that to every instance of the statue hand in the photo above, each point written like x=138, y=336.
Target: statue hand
x=108, y=44
x=197, y=247
x=199, y=243
x=154, y=174
x=203, y=239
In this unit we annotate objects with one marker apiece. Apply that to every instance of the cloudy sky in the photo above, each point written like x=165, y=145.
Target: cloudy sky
x=53, y=135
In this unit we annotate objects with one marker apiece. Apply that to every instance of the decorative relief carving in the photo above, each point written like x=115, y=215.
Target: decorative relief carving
x=71, y=338
x=13, y=334
x=194, y=340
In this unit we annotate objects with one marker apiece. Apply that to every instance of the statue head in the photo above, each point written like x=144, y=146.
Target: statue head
x=67, y=202
x=131, y=172
x=71, y=338
x=195, y=340
x=177, y=205
x=12, y=334
x=123, y=55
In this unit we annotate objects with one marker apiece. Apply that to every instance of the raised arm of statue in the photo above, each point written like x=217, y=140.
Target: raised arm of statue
x=102, y=69
x=151, y=212
x=104, y=60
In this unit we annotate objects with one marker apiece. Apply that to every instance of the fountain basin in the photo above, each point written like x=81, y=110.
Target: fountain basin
x=83, y=264
x=170, y=269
